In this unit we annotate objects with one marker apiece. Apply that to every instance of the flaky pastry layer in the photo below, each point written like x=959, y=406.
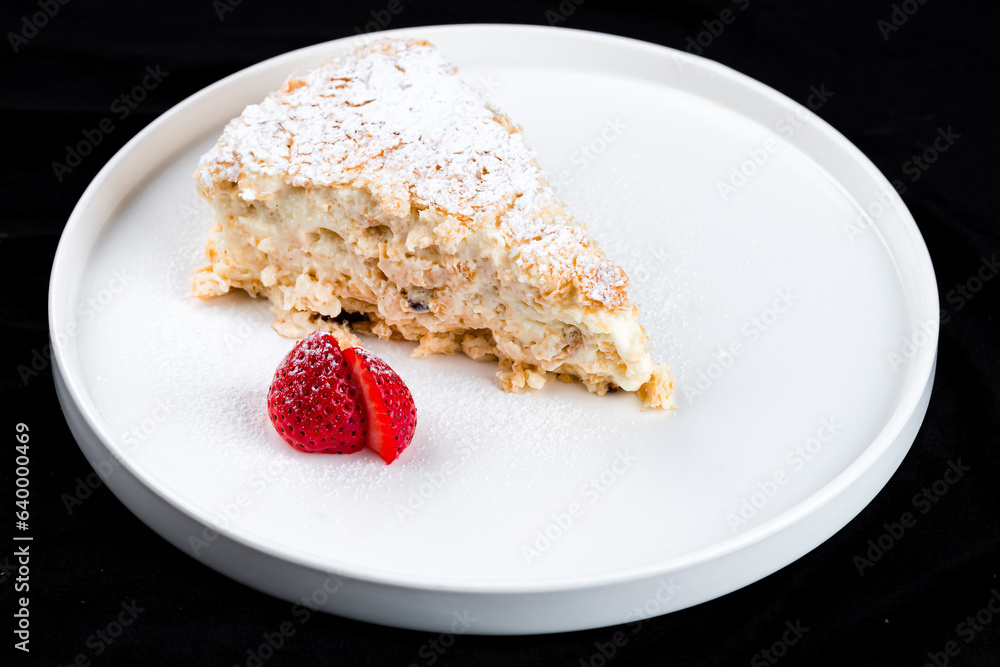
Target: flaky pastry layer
x=383, y=186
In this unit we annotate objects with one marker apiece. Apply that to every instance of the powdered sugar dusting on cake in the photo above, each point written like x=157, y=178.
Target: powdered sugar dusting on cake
x=393, y=118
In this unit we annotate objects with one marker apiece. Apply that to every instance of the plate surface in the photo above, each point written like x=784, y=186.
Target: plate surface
x=778, y=273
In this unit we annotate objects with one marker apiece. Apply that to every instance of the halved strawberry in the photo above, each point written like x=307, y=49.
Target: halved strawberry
x=392, y=417
x=314, y=402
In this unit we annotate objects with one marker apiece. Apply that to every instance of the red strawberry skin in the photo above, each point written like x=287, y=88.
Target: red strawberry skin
x=314, y=402
x=392, y=416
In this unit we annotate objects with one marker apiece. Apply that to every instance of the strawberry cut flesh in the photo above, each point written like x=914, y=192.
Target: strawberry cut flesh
x=392, y=416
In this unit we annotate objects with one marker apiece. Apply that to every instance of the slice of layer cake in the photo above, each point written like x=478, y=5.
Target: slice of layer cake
x=381, y=193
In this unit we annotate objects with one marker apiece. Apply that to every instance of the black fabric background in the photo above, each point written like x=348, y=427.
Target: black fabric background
x=939, y=70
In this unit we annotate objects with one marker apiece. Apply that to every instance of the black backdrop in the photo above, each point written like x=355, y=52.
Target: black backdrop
x=895, y=89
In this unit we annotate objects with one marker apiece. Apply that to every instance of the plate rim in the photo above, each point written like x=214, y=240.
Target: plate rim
x=918, y=380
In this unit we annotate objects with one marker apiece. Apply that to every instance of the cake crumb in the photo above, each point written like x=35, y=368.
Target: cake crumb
x=514, y=376
x=206, y=284
x=297, y=323
x=479, y=346
x=658, y=392
x=435, y=343
x=382, y=330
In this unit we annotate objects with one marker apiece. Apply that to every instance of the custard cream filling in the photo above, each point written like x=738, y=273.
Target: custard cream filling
x=326, y=250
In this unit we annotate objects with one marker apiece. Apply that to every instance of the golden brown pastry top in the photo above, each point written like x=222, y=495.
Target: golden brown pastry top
x=393, y=118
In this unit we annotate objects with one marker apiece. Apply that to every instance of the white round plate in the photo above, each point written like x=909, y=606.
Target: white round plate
x=778, y=273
